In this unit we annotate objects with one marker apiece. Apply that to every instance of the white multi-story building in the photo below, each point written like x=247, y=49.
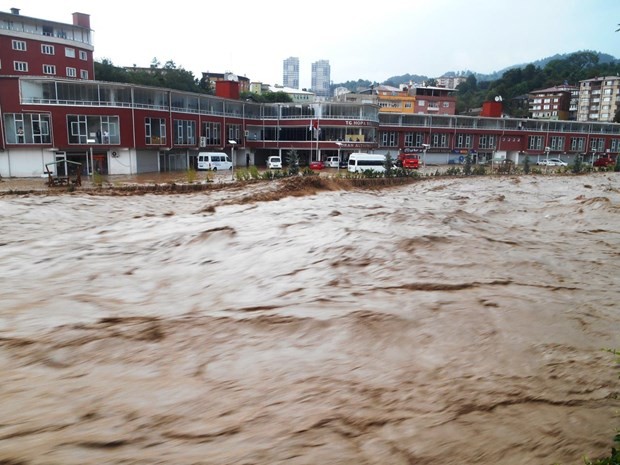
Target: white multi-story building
x=599, y=99
x=290, y=76
x=321, y=78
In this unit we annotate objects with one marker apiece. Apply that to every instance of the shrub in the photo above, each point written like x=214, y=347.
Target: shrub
x=292, y=159
x=467, y=165
x=526, y=165
x=576, y=168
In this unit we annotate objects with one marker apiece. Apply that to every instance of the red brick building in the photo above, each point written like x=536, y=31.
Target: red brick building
x=31, y=46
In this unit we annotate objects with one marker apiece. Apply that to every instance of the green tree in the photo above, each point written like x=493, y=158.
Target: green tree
x=467, y=165
x=292, y=159
x=526, y=165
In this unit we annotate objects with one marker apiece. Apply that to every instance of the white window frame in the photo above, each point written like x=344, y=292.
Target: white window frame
x=47, y=49
x=83, y=74
x=83, y=55
x=71, y=72
x=20, y=45
x=69, y=52
x=49, y=69
x=20, y=66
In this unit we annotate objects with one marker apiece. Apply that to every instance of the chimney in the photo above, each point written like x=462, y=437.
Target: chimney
x=15, y=11
x=81, y=19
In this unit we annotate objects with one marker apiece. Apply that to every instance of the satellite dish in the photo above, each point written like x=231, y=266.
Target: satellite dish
x=497, y=99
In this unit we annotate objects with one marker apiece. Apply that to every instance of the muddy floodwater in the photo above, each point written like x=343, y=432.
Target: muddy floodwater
x=446, y=321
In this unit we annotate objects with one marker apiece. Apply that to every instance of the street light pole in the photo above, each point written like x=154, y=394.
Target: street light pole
x=232, y=157
x=339, y=144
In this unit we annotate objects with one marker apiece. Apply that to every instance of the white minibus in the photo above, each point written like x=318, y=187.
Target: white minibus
x=359, y=162
x=213, y=161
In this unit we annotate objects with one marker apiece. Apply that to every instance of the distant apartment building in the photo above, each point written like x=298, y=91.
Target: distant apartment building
x=554, y=103
x=599, y=99
x=321, y=79
x=38, y=47
x=451, y=82
x=408, y=99
x=432, y=100
x=213, y=78
x=290, y=76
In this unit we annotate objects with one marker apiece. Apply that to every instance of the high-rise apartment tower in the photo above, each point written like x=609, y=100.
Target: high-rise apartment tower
x=290, y=77
x=321, y=78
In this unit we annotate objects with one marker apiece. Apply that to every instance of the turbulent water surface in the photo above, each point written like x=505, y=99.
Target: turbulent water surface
x=448, y=321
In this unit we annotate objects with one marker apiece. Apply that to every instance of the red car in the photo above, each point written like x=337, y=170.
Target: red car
x=604, y=161
x=317, y=165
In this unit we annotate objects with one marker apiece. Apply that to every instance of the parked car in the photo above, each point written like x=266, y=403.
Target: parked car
x=551, y=162
x=274, y=163
x=604, y=161
x=332, y=162
x=317, y=165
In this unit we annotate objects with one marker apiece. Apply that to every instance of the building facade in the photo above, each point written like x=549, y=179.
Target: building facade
x=450, y=82
x=31, y=46
x=116, y=128
x=321, y=78
x=554, y=103
x=214, y=78
x=290, y=73
x=599, y=99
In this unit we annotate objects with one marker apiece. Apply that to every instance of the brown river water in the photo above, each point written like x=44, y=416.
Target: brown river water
x=445, y=321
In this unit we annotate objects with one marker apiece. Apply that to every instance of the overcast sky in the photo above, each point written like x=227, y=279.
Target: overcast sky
x=362, y=40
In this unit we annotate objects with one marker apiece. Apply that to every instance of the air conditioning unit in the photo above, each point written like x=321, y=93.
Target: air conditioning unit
x=247, y=133
x=203, y=141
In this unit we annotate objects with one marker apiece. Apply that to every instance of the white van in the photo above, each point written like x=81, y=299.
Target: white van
x=274, y=163
x=332, y=162
x=359, y=162
x=214, y=161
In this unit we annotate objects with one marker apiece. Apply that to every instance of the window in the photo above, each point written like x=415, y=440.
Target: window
x=83, y=74
x=615, y=145
x=441, y=140
x=69, y=52
x=184, y=132
x=597, y=144
x=27, y=128
x=49, y=69
x=577, y=144
x=71, y=72
x=388, y=139
x=211, y=132
x=20, y=66
x=557, y=143
x=234, y=131
x=535, y=142
x=83, y=55
x=19, y=45
x=93, y=129
x=155, y=131
x=464, y=141
x=421, y=103
x=47, y=49
x=486, y=142
x=446, y=104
